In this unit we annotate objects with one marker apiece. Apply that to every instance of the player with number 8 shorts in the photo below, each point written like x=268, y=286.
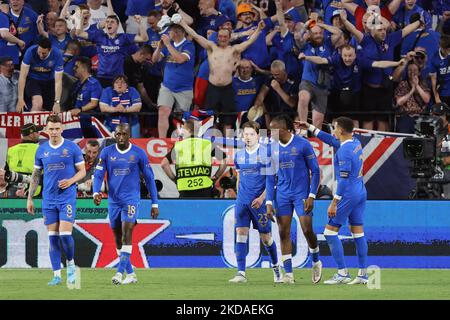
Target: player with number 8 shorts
x=61, y=163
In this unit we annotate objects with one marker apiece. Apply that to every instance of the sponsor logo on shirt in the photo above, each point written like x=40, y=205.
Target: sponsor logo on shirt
x=287, y=165
x=109, y=49
x=56, y=166
x=121, y=172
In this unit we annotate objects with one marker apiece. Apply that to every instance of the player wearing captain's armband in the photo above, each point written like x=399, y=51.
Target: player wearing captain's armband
x=254, y=173
x=298, y=182
x=350, y=198
x=123, y=163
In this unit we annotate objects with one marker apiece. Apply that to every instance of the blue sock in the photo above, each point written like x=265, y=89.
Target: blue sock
x=361, y=249
x=129, y=267
x=55, y=251
x=287, y=263
x=241, y=252
x=314, y=254
x=272, y=251
x=68, y=245
x=124, y=260
x=337, y=250
x=125, y=254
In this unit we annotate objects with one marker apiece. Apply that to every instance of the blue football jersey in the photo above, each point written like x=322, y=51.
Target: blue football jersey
x=123, y=169
x=254, y=170
x=348, y=166
x=58, y=163
x=297, y=168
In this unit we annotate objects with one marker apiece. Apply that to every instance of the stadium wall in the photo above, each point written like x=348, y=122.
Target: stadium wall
x=193, y=233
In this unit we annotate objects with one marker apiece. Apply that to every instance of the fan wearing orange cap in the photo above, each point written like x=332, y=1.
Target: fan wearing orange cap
x=257, y=52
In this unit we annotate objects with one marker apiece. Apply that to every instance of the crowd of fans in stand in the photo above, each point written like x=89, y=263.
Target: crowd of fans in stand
x=372, y=60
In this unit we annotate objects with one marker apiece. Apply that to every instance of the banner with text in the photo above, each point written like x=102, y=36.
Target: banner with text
x=195, y=233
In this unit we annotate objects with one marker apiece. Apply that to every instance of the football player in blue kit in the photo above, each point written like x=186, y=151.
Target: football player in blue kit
x=349, y=200
x=254, y=171
x=296, y=188
x=61, y=164
x=123, y=163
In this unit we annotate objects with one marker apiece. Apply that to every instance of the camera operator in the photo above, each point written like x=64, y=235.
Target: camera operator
x=16, y=175
x=443, y=111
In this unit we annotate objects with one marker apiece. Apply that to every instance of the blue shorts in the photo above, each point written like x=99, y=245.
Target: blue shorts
x=123, y=212
x=244, y=213
x=285, y=206
x=56, y=212
x=351, y=208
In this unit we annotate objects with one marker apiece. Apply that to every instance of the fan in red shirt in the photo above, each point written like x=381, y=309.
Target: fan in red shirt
x=386, y=12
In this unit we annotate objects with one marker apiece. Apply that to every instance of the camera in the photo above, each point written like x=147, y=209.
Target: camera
x=14, y=177
x=423, y=153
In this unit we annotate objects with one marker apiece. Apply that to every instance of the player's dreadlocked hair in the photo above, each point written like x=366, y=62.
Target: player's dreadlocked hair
x=285, y=121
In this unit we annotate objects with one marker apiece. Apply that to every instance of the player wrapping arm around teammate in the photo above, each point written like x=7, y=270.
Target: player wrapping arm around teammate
x=61, y=163
x=350, y=198
x=254, y=173
x=297, y=185
x=123, y=163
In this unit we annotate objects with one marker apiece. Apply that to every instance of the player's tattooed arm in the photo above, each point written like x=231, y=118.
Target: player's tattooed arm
x=35, y=181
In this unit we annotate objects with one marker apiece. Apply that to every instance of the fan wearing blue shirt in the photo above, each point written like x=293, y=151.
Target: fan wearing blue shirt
x=406, y=10
x=86, y=93
x=254, y=172
x=60, y=38
x=346, y=84
x=61, y=164
x=246, y=87
x=9, y=44
x=424, y=38
x=257, y=52
x=176, y=88
x=41, y=78
x=284, y=46
x=112, y=47
x=377, y=88
x=349, y=200
x=24, y=19
x=154, y=36
x=440, y=72
x=123, y=163
x=298, y=174
x=119, y=100
x=316, y=79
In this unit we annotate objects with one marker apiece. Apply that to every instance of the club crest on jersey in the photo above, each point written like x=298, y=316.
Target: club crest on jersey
x=132, y=158
x=65, y=153
x=294, y=151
